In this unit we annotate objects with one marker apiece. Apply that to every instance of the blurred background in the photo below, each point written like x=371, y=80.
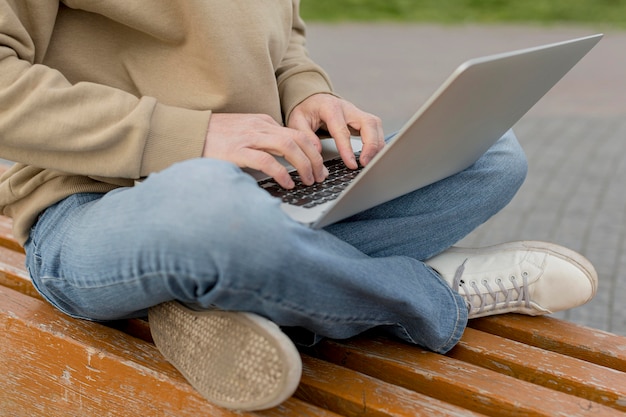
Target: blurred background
x=388, y=56
x=611, y=12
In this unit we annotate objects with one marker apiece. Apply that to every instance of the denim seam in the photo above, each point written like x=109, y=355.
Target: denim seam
x=294, y=308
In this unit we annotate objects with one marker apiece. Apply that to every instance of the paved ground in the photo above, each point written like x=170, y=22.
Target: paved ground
x=575, y=137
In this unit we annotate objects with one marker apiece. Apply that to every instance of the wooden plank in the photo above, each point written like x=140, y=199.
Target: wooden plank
x=70, y=367
x=353, y=394
x=6, y=225
x=559, y=336
x=546, y=368
x=6, y=235
x=13, y=273
x=460, y=383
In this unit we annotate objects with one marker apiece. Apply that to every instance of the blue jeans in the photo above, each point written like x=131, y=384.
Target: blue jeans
x=204, y=233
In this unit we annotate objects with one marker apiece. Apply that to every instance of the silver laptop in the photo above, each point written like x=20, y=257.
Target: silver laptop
x=474, y=107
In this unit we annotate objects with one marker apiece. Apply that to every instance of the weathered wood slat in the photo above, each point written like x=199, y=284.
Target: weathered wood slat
x=542, y=367
x=6, y=233
x=559, y=336
x=350, y=393
x=70, y=367
x=464, y=384
x=13, y=273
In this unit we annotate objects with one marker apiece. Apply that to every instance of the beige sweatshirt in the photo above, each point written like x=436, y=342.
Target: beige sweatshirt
x=96, y=94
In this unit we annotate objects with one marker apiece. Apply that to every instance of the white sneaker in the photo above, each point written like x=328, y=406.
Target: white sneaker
x=235, y=360
x=525, y=277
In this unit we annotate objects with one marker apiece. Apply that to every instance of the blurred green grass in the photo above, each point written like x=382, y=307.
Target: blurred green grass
x=605, y=12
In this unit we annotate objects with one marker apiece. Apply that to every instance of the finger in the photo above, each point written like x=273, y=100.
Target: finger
x=297, y=149
x=312, y=152
x=304, y=133
x=266, y=163
x=339, y=130
x=294, y=146
x=279, y=141
x=373, y=138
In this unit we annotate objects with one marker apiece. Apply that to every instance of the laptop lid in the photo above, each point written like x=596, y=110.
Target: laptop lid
x=473, y=108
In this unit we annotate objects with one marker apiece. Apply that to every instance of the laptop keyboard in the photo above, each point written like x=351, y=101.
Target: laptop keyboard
x=307, y=196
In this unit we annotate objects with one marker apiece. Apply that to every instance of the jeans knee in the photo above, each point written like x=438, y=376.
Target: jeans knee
x=195, y=178
x=209, y=203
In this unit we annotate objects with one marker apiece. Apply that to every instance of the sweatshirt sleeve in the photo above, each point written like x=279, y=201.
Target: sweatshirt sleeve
x=298, y=76
x=83, y=128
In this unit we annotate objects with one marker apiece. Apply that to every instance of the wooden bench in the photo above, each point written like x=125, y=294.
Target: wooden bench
x=53, y=365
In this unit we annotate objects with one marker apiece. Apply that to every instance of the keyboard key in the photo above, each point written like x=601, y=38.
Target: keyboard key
x=339, y=177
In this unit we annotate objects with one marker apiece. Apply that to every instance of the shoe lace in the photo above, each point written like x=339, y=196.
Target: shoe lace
x=515, y=296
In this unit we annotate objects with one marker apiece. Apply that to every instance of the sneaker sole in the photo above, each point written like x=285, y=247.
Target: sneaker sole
x=556, y=250
x=235, y=360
